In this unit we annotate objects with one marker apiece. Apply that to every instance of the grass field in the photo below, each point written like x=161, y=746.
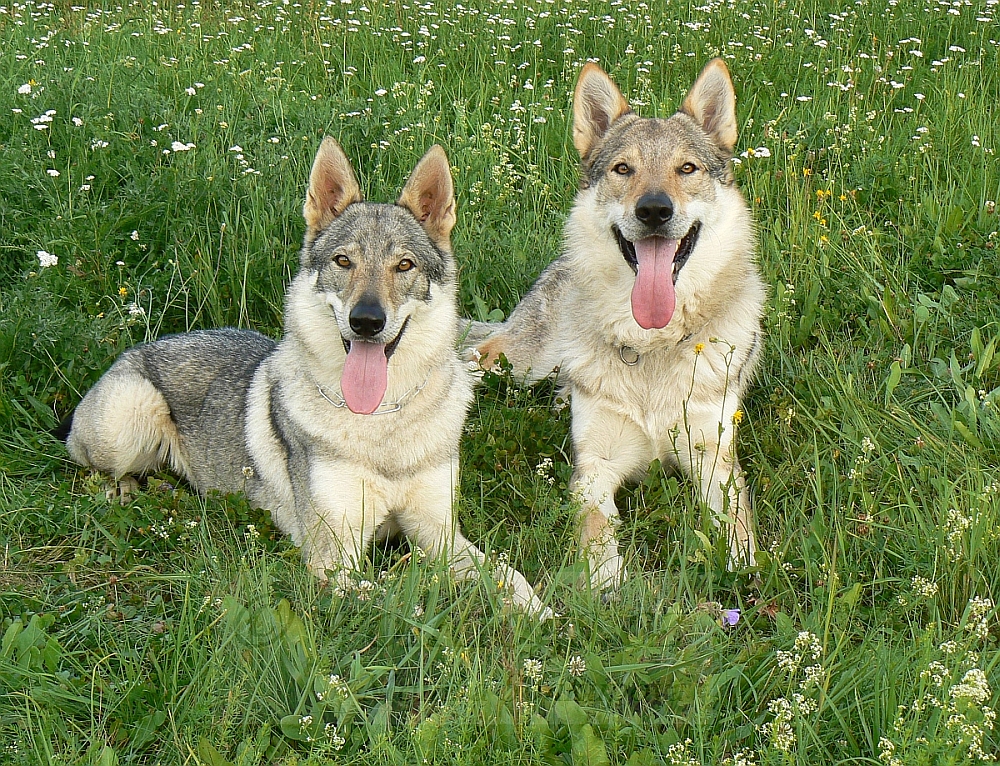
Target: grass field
x=153, y=162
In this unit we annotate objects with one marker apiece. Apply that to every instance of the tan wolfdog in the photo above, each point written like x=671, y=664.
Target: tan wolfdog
x=652, y=313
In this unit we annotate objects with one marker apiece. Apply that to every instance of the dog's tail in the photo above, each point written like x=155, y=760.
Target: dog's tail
x=61, y=431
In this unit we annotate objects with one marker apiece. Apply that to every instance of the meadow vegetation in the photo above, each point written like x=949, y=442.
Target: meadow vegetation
x=153, y=161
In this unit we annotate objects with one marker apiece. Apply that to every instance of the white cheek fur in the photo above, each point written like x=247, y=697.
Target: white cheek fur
x=334, y=300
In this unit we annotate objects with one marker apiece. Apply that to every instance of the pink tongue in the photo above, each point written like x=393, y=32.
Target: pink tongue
x=365, y=377
x=653, y=293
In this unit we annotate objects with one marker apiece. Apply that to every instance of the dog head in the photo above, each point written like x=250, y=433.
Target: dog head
x=657, y=179
x=376, y=265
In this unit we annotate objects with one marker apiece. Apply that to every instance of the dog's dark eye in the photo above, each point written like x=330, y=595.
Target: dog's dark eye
x=343, y=261
x=688, y=168
x=622, y=169
x=405, y=265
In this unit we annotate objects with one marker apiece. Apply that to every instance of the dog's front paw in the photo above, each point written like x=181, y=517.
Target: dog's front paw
x=605, y=572
x=124, y=490
x=521, y=594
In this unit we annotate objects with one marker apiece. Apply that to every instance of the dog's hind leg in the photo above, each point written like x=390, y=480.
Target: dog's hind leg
x=123, y=426
x=609, y=449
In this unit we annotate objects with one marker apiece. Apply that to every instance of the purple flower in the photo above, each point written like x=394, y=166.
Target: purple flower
x=730, y=617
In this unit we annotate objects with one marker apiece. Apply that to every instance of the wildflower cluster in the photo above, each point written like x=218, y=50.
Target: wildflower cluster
x=955, y=526
x=532, y=670
x=805, y=657
x=679, y=754
x=210, y=602
x=778, y=731
x=741, y=758
x=957, y=711
x=544, y=470
x=977, y=617
x=807, y=649
x=336, y=686
x=868, y=448
x=46, y=259
x=576, y=666
x=922, y=589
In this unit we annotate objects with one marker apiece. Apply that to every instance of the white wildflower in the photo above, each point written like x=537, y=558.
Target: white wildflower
x=937, y=673
x=678, y=754
x=974, y=687
x=532, y=670
x=779, y=730
x=924, y=587
x=979, y=616
x=46, y=259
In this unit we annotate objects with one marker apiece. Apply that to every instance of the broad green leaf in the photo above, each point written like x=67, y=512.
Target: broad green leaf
x=895, y=373
x=588, y=749
x=569, y=714
x=209, y=755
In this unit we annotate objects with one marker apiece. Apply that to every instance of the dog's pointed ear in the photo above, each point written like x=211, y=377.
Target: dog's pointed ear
x=430, y=195
x=712, y=103
x=597, y=103
x=332, y=187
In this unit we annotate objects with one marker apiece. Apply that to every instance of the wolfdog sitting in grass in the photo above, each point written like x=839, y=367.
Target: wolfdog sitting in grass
x=652, y=314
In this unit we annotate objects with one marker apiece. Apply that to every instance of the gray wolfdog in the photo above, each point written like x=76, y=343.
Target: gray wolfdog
x=348, y=426
x=652, y=313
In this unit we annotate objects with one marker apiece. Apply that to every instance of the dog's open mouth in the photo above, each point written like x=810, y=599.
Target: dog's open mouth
x=389, y=347
x=684, y=249
x=366, y=372
x=656, y=261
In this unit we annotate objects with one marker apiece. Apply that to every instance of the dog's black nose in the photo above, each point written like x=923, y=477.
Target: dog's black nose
x=367, y=319
x=654, y=209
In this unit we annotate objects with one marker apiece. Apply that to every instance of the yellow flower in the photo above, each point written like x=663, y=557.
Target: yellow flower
x=807, y=171
x=699, y=347
x=737, y=417
x=123, y=291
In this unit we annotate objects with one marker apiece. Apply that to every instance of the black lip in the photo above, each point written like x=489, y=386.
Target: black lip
x=628, y=250
x=390, y=347
x=684, y=249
